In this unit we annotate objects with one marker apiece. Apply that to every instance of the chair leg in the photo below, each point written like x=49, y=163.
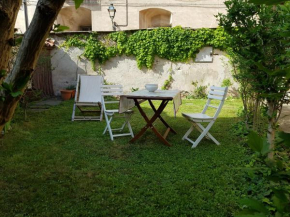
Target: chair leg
x=101, y=113
x=109, y=121
x=129, y=125
x=108, y=127
x=188, y=132
x=73, y=113
x=124, y=124
x=200, y=128
x=208, y=134
x=127, y=119
x=205, y=131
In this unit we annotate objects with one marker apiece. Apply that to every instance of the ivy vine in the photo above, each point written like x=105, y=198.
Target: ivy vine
x=175, y=44
x=167, y=83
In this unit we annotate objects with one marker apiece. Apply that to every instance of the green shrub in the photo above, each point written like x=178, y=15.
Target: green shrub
x=226, y=82
x=200, y=92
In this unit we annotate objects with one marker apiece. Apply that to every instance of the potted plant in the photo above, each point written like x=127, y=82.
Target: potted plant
x=68, y=93
x=73, y=89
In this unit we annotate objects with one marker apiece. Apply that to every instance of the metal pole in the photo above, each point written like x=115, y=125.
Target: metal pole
x=25, y=13
x=113, y=24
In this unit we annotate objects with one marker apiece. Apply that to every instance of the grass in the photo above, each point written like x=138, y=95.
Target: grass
x=50, y=166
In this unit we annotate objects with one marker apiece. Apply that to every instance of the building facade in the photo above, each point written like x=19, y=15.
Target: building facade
x=209, y=68
x=132, y=14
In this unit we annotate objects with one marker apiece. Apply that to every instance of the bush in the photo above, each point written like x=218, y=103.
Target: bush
x=199, y=91
x=226, y=82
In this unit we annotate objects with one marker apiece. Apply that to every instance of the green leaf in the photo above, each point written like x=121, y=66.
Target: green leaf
x=257, y=143
x=255, y=205
x=7, y=86
x=280, y=200
x=279, y=72
x=2, y=73
x=285, y=34
x=7, y=126
x=267, y=200
x=60, y=28
x=251, y=215
x=15, y=94
x=267, y=2
x=285, y=137
x=282, y=72
x=18, y=40
x=78, y=3
x=278, y=176
x=263, y=68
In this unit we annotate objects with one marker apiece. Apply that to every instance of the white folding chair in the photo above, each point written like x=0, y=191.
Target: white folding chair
x=88, y=94
x=215, y=93
x=115, y=91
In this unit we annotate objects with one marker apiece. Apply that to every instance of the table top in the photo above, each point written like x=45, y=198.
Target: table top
x=157, y=95
x=127, y=100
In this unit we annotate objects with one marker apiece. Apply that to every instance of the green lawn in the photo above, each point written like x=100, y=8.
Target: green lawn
x=50, y=166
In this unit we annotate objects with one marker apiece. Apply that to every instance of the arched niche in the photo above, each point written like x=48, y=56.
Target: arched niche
x=76, y=19
x=154, y=17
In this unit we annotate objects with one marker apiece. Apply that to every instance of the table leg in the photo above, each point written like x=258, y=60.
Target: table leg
x=161, y=119
x=150, y=122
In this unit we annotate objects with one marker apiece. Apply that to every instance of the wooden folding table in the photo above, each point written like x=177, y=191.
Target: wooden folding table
x=130, y=100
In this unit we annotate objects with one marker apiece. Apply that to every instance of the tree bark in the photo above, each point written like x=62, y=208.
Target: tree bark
x=271, y=128
x=32, y=43
x=8, y=14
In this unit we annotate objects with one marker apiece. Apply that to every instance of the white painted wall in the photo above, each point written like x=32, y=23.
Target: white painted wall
x=123, y=70
x=20, y=21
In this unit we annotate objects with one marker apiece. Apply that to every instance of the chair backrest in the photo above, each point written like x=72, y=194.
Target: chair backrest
x=89, y=88
x=216, y=93
x=110, y=90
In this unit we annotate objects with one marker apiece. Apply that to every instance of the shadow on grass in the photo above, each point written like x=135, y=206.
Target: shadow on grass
x=180, y=124
x=51, y=166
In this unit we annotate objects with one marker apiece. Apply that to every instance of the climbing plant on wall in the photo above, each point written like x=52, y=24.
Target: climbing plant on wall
x=175, y=44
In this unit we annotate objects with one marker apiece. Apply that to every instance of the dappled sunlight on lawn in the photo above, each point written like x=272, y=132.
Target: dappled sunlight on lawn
x=52, y=166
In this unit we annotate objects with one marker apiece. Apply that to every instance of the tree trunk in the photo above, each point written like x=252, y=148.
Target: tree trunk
x=271, y=128
x=32, y=43
x=8, y=14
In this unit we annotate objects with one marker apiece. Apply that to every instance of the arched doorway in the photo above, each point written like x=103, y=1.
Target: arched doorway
x=154, y=17
x=76, y=20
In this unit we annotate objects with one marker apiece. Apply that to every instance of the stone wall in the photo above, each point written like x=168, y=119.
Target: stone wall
x=66, y=65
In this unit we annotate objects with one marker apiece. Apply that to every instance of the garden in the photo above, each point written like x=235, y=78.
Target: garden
x=51, y=166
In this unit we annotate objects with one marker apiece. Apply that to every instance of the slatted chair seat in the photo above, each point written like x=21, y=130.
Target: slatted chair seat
x=215, y=93
x=88, y=95
x=115, y=90
x=198, y=117
x=112, y=111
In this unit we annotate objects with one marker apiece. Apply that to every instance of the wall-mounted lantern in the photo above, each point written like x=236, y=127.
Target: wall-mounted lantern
x=112, y=12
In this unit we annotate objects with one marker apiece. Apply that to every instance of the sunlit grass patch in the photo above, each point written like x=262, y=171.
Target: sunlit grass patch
x=51, y=166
